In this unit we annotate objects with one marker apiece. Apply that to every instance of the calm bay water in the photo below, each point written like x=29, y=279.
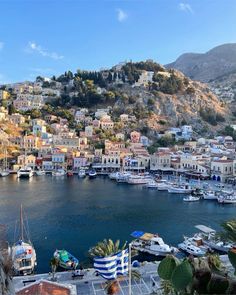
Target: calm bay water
x=74, y=213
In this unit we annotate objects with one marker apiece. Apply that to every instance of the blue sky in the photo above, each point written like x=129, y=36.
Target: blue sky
x=46, y=37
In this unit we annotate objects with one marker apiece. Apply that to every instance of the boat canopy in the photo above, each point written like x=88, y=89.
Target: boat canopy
x=64, y=256
x=205, y=229
x=143, y=236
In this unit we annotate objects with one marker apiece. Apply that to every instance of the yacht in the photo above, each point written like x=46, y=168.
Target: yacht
x=114, y=175
x=92, y=173
x=151, y=244
x=25, y=172
x=163, y=185
x=180, y=189
x=210, y=195
x=210, y=239
x=22, y=252
x=151, y=185
x=82, y=173
x=5, y=171
x=59, y=172
x=191, y=198
x=138, y=179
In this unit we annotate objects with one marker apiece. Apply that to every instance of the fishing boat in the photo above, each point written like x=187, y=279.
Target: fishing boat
x=82, y=173
x=66, y=260
x=25, y=172
x=92, y=173
x=151, y=243
x=59, y=172
x=151, y=185
x=180, y=189
x=22, y=252
x=40, y=172
x=212, y=240
x=138, y=179
x=191, y=198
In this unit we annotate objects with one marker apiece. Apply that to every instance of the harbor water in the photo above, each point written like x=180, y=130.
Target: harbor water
x=73, y=214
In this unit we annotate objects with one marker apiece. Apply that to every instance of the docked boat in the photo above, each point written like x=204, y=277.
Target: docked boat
x=4, y=173
x=191, y=198
x=210, y=195
x=138, y=179
x=151, y=243
x=227, y=199
x=151, y=185
x=66, y=260
x=25, y=172
x=70, y=173
x=22, y=252
x=191, y=249
x=210, y=239
x=123, y=177
x=163, y=185
x=59, y=172
x=114, y=175
x=40, y=172
x=92, y=173
x=180, y=189
x=82, y=173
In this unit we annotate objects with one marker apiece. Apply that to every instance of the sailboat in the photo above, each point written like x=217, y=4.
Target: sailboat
x=5, y=172
x=22, y=252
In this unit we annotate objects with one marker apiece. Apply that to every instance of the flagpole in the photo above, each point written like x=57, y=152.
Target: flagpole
x=130, y=292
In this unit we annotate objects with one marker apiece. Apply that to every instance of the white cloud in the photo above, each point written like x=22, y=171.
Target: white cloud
x=34, y=47
x=1, y=45
x=121, y=15
x=185, y=7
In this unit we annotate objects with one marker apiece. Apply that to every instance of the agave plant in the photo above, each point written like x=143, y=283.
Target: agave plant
x=106, y=248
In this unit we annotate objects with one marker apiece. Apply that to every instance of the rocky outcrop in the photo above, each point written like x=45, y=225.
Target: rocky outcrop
x=206, y=67
x=6, y=284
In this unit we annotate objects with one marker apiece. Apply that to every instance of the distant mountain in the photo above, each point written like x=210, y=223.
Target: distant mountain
x=213, y=65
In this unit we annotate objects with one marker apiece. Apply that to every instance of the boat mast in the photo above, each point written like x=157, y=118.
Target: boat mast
x=21, y=223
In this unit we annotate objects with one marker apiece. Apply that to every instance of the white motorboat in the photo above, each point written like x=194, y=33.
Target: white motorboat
x=151, y=244
x=227, y=199
x=25, y=172
x=59, y=172
x=123, y=177
x=114, y=175
x=23, y=253
x=191, y=198
x=4, y=173
x=151, y=185
x=188, y=247
x=163, y=185
x=92, y=173
x=82, y=173
x=180, y=189
x=210, y=195
x=210, y=239
x=40, y=172
x=138, y=179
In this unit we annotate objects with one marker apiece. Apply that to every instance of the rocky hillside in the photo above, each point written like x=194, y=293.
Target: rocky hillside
x=213, y=65
x=166, y=99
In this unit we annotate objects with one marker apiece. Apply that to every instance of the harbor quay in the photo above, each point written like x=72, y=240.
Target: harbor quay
x=92, y=284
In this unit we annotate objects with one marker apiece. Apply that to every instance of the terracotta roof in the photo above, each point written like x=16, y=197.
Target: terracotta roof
x=44, y=288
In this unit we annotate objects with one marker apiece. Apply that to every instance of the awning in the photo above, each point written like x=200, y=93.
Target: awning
x=205, y=229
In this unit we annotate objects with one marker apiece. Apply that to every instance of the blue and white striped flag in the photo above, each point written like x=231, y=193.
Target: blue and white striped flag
x=112, y=266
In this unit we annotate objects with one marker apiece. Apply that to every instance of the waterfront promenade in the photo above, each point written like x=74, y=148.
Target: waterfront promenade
x=91, y=284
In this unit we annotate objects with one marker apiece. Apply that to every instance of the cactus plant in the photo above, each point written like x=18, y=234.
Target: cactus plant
x=182, y=275
x=167, y=266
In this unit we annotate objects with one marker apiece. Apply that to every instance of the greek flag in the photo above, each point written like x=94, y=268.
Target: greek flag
x=112, y=266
